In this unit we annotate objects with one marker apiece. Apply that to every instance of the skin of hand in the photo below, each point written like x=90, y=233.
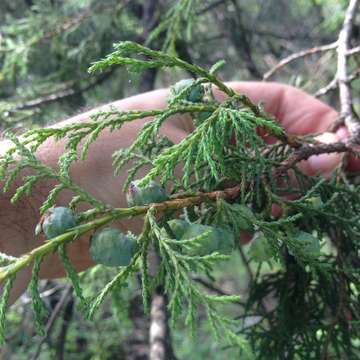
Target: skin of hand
x=298, y=113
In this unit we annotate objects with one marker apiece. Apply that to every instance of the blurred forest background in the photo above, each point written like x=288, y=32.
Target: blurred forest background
x=46, y=47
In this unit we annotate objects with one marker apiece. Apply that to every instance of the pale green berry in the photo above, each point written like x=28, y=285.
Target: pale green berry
x=246, y=217
x=309, y=244
x=111, y=247
x=196, y=94
x=56, y=221
x=260, y=249
x=177, y=228
x=216, y=239
x=315, y=201
x=144, y=195
x=200, y=117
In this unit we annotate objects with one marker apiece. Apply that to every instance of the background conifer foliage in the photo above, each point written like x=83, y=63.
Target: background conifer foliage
x=183, y=287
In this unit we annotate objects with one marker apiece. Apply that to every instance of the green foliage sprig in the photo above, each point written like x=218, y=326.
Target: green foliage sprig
x=173, y=23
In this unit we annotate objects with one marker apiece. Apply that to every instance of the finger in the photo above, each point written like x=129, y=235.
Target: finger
x=299, y=113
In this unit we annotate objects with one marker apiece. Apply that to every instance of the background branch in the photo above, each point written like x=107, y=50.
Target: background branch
x=63, y=94
x=346, y=103
x=299, y=55
x=54, y=315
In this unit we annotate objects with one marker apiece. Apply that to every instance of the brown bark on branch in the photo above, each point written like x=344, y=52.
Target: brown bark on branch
x=305, y=151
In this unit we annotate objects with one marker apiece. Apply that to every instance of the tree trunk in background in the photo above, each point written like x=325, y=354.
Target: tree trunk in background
x=160, y=340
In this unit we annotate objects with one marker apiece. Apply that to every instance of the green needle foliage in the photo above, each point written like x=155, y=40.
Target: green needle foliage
x=304, y=308
x=181, y=15
x=39, y=307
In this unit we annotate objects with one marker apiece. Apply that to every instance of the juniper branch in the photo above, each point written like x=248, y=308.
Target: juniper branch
x=110, y=215
x=160, y=59
x=183, y=201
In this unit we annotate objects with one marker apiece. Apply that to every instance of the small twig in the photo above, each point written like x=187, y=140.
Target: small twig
x=27, y=300
x=331, y=86
x=354, y=75
x=297, y=56
x=353, y=51
x=43, y=100
x=60, y=95
x=246, y=264
x=213, y=288
x=307, y=52
x=51, y=321
x=66, y=320
x=251, y=278
x=308, y=150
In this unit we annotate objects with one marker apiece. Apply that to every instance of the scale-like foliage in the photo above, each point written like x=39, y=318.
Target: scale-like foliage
x=231, y=179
